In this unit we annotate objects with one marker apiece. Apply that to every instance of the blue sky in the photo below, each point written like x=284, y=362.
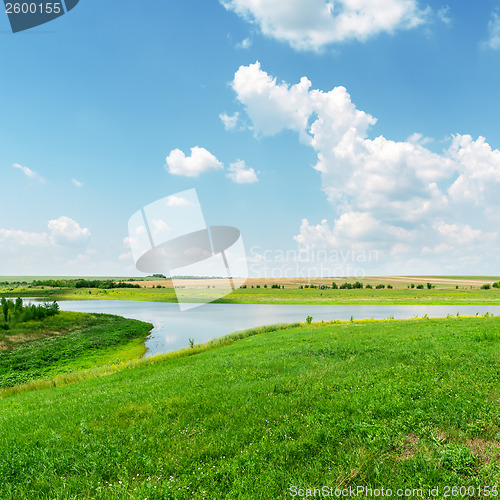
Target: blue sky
x=383, y=159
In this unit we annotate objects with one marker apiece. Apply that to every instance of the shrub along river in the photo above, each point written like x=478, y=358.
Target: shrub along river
x=173, y=328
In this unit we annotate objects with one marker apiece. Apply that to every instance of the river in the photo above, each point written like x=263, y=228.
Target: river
x=173, y=328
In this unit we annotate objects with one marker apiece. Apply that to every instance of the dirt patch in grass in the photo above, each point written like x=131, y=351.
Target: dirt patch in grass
x=12, y=341
x=483, y=449
x=410, y=447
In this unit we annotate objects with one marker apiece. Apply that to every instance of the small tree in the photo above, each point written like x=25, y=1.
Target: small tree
x=5, y=309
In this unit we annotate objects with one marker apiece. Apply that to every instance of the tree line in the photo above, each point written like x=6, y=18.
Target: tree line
x=83, y=283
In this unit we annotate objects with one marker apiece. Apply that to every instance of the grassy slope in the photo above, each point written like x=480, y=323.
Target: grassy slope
x=66, y=343
x=388, y=403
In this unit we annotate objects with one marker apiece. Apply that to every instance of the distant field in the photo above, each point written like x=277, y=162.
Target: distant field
x=444, y=290
x=150, y=282
x=399, y=404
x=397, y=281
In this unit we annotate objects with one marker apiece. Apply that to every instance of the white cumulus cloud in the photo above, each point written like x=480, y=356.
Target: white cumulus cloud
x=241, y=174
x=67, y=232
x=199, y=162
x=230, y=121
x=313, y=24
x=396, y=196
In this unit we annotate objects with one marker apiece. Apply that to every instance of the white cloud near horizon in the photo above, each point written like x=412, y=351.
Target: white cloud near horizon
x=77, y=183
x=314, y=24
x=398, y=197
x=57, y=248
x=31, y=174
x=18, y=237
x=494, y=31
x=240, y=173
x=67, y=232
x=200, y=161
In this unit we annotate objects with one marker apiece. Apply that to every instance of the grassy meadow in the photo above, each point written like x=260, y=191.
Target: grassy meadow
x=67, y=343
x=398, y=404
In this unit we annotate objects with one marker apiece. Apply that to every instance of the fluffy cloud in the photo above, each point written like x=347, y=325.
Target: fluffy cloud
x=77, y=183
x=241, y=174
x=399, y=197
x=244, y=44
x=230, y=122
x=313, y=24
x=55, y=250
x=177, y=201
x=67, y=232
x=62, y=231
x=494, y=31
x=16, y=237
x=199, y=162
x=31, y=174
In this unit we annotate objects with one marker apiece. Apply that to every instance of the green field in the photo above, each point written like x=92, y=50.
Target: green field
x=435, y=296
x=398, y=404
x=444, y=290
x=67, y=343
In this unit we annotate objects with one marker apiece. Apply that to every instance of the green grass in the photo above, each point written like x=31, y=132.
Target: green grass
x=66, y=343
x=401, y=295
x=398, y=404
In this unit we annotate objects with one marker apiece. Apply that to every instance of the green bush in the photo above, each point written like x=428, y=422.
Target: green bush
x=379, y=287
x=420, y=287
x=346, y=286
x=309, y=320
x=486, y=286
x=334, y=286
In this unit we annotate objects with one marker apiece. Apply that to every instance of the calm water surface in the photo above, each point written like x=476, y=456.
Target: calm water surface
x=173, y=329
